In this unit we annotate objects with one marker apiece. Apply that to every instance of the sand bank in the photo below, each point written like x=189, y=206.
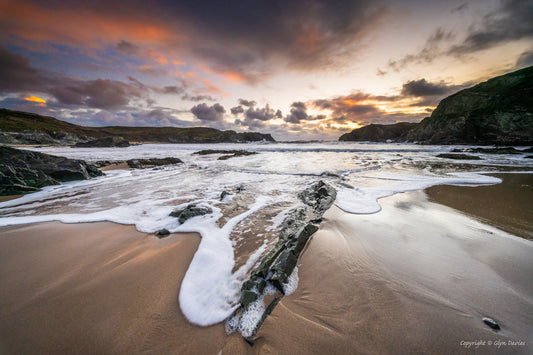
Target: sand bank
x=416, y=277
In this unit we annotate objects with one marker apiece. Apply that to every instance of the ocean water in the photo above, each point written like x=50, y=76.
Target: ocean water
x=260, y=188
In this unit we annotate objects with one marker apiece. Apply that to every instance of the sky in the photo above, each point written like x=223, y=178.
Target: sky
x=299, y=69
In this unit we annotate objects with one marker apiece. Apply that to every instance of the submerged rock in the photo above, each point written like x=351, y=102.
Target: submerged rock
x=105, y=142
x=458, y=156
x=150, y=163
x=491, y=323
x=227, y=153
x=189, y=212
x=24, y=171
x=279, y=263
x=162, y=233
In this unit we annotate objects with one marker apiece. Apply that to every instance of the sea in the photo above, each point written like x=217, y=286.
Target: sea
x=249, y=197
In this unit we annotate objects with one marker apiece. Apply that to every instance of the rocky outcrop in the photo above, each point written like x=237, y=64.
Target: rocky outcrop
x=153, y=162
x=226, y=154
x=37, y=129
x=190, y=211
x=277, y=266
x=23, y=171
x=106, y=142
x=379, y=132
x=498, y=111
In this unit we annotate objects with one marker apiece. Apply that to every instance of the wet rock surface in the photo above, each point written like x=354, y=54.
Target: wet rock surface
x=279, y=263
x=150, y=163
x=23, y=171
x=458, y=156
x=226, y=154
x=190, y=211
x=105, y=142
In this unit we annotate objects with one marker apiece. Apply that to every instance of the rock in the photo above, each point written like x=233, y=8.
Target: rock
x=227, y=153
x=498, y=111
x=150, y=163
x=502, y=150
x=529, y=157
x=189, y=212
x=223, y=195
x=379, y=132
x=491, y=323
x=458, y=156
x=279, y=263
x=162, y=233
x=24, y=171
x=104, y=143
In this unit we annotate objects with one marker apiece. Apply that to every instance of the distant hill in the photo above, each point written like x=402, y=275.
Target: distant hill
x=378, y=132
x=28, y=128
x=498, y=111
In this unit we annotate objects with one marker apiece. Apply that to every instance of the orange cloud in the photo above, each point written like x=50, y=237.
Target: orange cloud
x=233, y=77
x=37, y=100
x=72, y=26
x=210, y=88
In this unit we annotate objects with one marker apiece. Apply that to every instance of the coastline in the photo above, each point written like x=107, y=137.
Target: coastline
x=417, y=276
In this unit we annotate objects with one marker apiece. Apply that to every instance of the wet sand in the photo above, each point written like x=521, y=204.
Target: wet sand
x=418, y=277
x=508, y=206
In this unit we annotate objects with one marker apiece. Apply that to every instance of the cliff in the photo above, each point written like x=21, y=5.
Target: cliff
x=378, y=132
x=27, y=128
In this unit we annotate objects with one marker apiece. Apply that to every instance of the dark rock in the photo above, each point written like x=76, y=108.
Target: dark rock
x=162, y=233
x=498, y=111
x=104, y=142
x=248, y=297
x=502, y=150
x=529, y=157
x=150, y=163
x=189, y=212
x=491, y=323
x=24, y=171
x=458, y=156
x=223, y=195
x=528, y=150
x=379, y=132
x=296, y=230
x=227, y=153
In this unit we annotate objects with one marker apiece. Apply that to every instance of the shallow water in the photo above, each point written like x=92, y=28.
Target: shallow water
x=262, y=189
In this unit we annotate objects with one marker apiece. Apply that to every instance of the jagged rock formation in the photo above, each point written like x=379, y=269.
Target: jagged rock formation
x=378, y=132
x=23, y=171
x=277, y=266
x=18, y=127
x=498, y=111
x=150, y=163
x=105, y=142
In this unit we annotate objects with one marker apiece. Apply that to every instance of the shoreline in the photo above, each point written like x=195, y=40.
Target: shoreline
x=418, y=276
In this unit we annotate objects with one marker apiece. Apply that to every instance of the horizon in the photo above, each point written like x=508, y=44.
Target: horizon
x=300, y=71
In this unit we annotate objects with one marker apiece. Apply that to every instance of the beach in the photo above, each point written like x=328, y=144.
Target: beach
x=416, y=277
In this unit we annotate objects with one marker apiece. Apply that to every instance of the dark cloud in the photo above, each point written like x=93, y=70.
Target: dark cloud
x=236, y=110
x=127, y=47
x=16, y=74
x=525, y=59
x=197, y=98
x=427, y=54
x=208, y=113
x=263, y=114
x=247, y=103
x=513, y=21
x=422, y=88
x=298, y=113
x=303, y=34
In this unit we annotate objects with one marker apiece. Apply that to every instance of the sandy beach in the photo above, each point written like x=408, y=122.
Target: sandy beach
x=418, y=277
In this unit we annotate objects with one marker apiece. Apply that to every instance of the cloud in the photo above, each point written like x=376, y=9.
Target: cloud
x=423, y=88
x=197, y=98
x=208, y=113
x=298, y=113
x=16, y=74
x=459, y=8
x=236, y=110
x=525, y=59
x=263, y=114
x=301, y=34
x=510, y=23
x=247, y=103
x=127, y=47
